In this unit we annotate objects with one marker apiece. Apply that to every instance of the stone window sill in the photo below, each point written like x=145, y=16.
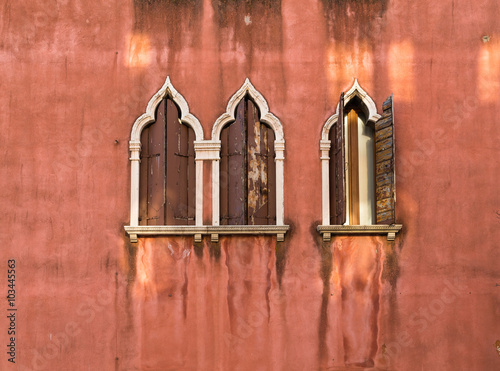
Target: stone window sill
x=199, y=231
x=328, y=230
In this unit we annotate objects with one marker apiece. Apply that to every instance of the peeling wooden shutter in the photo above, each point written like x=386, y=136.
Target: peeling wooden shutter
x=167, y=170
x=247, y=170
x=384, y=165
x=260, y=166
x=337, y=170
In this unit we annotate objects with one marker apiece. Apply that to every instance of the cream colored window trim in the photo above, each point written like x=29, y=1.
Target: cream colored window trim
x=213, y=231
x=167, y=90
x=378, y=229
x=355, y=91
x=279, y=148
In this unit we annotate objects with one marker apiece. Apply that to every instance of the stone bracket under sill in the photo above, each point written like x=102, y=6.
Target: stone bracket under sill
x=328, y=230
x=199, y=231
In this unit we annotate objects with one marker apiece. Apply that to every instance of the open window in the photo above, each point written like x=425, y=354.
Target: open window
x=358, y=168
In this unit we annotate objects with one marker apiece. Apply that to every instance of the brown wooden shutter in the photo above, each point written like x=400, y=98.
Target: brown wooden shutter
x=232, y=170
x=247, y=170
x=180, y=170
x=337, y=170
x=152, y=170
x=384, y=165
x=260, y=164
x=167, y=171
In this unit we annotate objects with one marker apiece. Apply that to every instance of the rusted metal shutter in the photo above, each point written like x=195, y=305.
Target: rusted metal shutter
x=248, y=173
x=384, y=165
x=167, y=172
x=337, y=170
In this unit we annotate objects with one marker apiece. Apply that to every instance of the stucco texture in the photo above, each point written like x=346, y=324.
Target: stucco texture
x=76, y=75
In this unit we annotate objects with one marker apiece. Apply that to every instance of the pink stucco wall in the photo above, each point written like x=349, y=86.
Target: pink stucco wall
x=76, y=75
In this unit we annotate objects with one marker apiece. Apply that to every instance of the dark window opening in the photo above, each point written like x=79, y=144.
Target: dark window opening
x=362, y=182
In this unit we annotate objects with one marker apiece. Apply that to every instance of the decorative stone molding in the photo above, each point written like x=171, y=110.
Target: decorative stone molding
x=279, y=147
x=213, y=231
x=355, y=91
x=207, y=150
x=328, y=230
x=167, y=90
x=229, y=116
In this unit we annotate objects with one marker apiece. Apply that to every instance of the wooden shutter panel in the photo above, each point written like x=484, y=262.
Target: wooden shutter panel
x=232, y=171
x=337, y=171
x=143, y=178
x=247, y=170
x=384, y=165
x=180, y=179
x=260, y=165
x=167, y=170
x=153, y=171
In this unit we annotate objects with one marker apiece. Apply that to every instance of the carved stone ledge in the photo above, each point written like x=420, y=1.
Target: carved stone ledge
x=379, y=229
x=213, y=231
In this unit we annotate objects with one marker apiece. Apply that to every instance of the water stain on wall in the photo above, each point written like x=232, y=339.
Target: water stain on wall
x=246, y=27
x=361, y=19
x=169, y=23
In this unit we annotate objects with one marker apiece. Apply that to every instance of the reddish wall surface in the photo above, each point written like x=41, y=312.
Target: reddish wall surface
x=75, y=76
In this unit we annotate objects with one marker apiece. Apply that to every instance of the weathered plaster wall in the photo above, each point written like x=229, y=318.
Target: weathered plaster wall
x=75, y=76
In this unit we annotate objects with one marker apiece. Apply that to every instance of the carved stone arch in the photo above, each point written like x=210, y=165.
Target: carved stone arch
x=368, y=104
x=370, y=110
x=279, y=146
x=167, y=90
x=265, y=116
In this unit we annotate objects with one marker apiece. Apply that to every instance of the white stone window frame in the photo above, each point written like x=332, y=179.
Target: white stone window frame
x=205, y=150
x=326, y=229
x=134, y=229
x=247, y=89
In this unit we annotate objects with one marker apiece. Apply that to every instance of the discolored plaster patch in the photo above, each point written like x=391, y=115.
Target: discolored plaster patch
x=282, y=252
x=325, y=250
x=172, y=24
x=391, y=269
x=225, y=10
x=346, y=19
x=245, y=28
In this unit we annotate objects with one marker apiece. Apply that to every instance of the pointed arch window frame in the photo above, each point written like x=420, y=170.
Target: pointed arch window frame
x=134, y=229
x=248, y=89
x=205, y=150
x=326, y=229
